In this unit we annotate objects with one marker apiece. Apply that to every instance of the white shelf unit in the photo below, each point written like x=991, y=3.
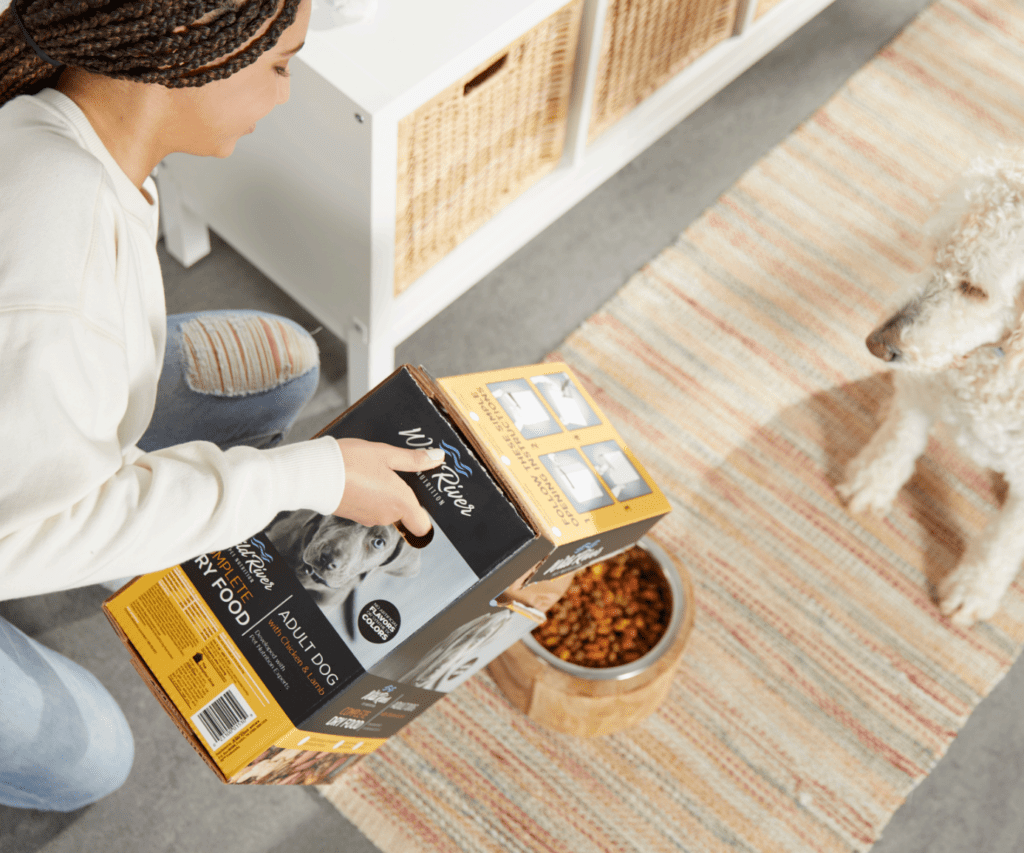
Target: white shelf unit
x=309, y=198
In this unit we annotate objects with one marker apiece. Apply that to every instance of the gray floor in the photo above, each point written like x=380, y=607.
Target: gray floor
x=972, y=801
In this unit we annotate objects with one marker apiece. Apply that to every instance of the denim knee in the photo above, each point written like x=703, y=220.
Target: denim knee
x=64, y=741
x=233, y=378
x=108, y=765
x=229, y=354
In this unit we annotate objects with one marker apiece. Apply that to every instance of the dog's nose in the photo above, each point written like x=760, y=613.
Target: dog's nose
x=882, y=342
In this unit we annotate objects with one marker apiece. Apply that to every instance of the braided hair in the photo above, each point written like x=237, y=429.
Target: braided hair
x=171, y=42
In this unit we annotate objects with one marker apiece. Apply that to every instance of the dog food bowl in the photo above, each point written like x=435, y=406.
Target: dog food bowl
x=588, y=701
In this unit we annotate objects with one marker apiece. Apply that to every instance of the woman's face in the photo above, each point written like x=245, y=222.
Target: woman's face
x=212, y=118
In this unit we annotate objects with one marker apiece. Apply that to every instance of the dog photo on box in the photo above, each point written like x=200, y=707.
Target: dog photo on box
x=347, y=567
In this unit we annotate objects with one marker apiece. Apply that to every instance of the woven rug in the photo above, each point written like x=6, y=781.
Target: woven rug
x=820, y=684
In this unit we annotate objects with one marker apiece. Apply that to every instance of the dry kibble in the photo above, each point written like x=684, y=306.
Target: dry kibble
x=613, y=613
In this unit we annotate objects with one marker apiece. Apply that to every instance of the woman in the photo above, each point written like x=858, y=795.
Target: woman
x=133, y=441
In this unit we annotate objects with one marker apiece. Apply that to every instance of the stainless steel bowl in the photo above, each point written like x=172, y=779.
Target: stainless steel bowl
x=641, y=664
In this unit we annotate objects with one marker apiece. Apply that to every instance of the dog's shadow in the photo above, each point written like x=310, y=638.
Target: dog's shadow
x=948, y=498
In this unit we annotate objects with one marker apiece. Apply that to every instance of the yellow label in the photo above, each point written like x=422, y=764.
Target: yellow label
x=200, y=668
x=319, y=742
x=569, y=462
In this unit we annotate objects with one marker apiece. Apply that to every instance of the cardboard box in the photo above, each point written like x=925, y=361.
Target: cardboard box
x=287, y=657
x=562, y=460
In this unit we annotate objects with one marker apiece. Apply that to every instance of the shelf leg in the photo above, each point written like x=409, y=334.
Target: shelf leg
x=369, y=361
x=186, y=235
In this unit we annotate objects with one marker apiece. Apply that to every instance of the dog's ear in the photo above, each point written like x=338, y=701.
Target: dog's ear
x=406, y=561
x=1013, y=346
x=288, y=523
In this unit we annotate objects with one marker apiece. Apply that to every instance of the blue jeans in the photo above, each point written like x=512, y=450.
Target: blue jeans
x=64, y=742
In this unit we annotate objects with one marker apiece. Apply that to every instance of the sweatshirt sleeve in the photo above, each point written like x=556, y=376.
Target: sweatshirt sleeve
x=80, y=503
x=75, y=510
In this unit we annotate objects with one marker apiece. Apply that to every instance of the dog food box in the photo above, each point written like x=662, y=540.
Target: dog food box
x=288, y=657
x=561, y=460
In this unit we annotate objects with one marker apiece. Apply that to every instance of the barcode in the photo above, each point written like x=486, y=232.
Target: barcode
x=222, y=717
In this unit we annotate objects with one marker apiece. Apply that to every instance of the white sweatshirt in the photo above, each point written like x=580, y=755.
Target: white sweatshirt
x=82, y=333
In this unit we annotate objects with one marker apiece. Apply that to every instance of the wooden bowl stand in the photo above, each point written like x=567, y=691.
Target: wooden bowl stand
x=588, y=707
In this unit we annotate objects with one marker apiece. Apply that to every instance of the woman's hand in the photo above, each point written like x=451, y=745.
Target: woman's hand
x=374, y=493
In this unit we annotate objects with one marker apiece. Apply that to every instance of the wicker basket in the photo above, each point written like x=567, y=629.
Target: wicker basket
x=765, y=6
x=647, y=42
x=480, y=143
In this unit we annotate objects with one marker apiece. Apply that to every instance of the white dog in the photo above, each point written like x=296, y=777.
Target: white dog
x=958, y=349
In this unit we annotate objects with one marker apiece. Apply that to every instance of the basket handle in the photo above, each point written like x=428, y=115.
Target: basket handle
x=485, y=75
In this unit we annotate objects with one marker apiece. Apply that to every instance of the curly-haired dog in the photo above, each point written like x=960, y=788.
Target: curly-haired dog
x=958, y=349
x=333, y=555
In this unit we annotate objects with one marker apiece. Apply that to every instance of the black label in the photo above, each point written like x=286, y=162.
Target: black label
x=379, y=621
x=374, y=708
x=460, y=495
x=282, y=633
x=586, y=552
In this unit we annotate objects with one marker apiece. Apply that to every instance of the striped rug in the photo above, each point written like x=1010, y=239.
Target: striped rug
x=820, y=684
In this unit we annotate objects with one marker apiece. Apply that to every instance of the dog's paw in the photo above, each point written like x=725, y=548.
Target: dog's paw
x=971, y=594
x=863, y=493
